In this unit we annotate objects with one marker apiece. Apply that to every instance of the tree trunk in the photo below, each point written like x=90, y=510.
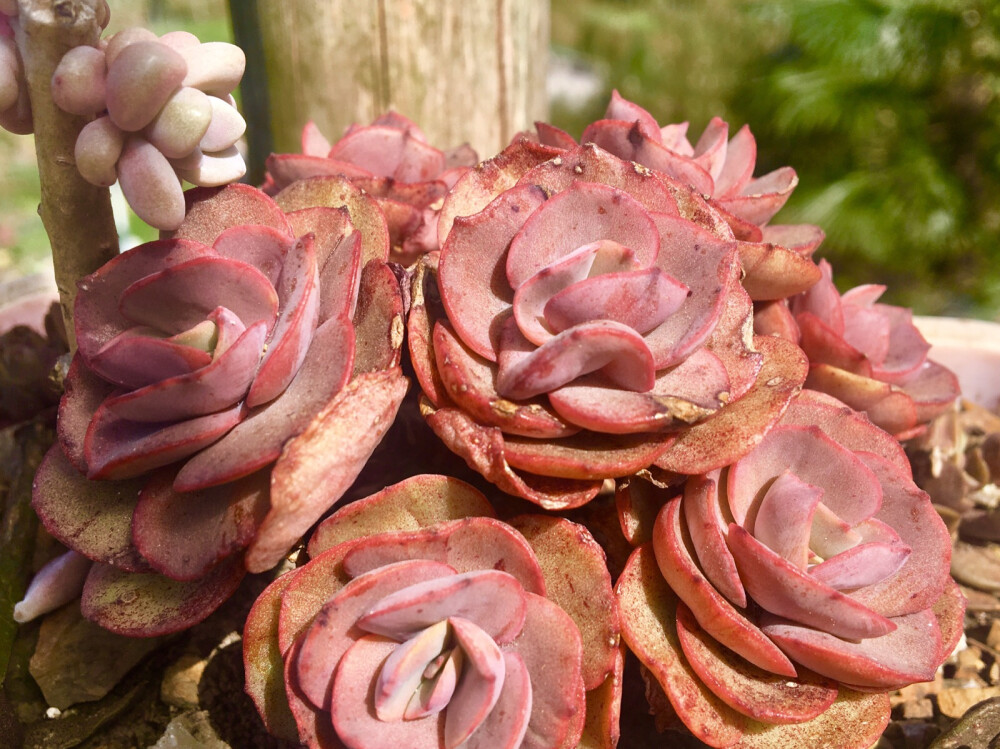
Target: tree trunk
x=463, y=70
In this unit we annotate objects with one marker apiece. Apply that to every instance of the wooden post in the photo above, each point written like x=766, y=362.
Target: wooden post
x=463, y=70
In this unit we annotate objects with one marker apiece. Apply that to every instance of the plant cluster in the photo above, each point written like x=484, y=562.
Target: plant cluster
x=617, y=311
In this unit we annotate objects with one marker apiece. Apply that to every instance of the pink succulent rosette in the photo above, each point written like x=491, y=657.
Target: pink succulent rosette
x=777, y=601
x=869, y=355
x=423, y=621
x=775, y=257
x=583, y=315
x=222, y=398
x=392, y=161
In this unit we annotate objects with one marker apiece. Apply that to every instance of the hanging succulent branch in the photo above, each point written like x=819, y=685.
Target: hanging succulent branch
x=77, y=215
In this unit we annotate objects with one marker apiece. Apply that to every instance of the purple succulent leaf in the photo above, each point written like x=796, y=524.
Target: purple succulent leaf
x=627, y=141
x=531, y=297
x=579, y=215
x=787, y=591
x=338, y=256
x=800, y=238
x=334, y=628
x=679, y=396
x=287, y=168
x=388, y=152
x=784, y=521
x=910, y=653
x=714, y=613
x=258, y=440
x=96, y=308
x=214, y=210
x=709, y=268
x=861, y=565
x=324, y=460
x=473, y=290
x=639, y=299
x=117, y=448
x=620, y=108
x=551, y=648
x=263, y=247
x=762, y=197
x=83, y=393
x=703, y=514
x=148, y=604
x=179, y=297
x=615, y=349
x=741, y=157
x=212, y=388
x=756, y=693
x=470, y=381
x=467, y=544
x=298, y=312
x=851, y=489
x=93, y=518
x=134, y=359
x=490, y=599
x=507, y=723
x=399, y=679
x=354, y=689
x=711, y=150
x=481, y=684
x=185, y=535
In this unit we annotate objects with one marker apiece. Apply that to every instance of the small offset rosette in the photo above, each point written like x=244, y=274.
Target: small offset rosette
x=163, y=112
x=867, y=354
x=390, y=159
x=222, y=398
x=423, y=621
x=579, y=319
x=775, y=257
x=777, y=601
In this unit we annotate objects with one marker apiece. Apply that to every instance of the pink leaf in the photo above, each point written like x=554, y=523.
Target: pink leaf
x=581, y=214
x=491, y=599
x=787, y=591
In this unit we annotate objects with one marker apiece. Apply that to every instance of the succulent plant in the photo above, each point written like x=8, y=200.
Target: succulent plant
x=775, y=257
x=248, y=337
x=423, y=621
x=583, y=315
x=868, y=355
x=390, y=159
x=15, y=106
x=780, y=599
x=163, y=113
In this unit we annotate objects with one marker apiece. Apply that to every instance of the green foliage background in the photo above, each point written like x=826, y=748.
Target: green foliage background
x=887, y=109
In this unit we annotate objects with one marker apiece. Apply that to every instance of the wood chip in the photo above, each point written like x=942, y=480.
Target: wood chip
x=955, y=702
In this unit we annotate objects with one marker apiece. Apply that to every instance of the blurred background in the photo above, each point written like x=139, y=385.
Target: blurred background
x=889, y=111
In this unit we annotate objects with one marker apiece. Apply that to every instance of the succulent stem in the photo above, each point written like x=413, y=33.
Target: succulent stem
x=77, y=215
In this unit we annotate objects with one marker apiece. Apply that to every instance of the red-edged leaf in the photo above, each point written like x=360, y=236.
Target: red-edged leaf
x=483, y=449
x=258, y=440
x=737, y=428
x=92, y=517
x=752, y=691
x=468, y=544
x=147, y=604
x=411, y=504
x=321, y=463
x=577, y=580
x=185, y=535
x=714, y=613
